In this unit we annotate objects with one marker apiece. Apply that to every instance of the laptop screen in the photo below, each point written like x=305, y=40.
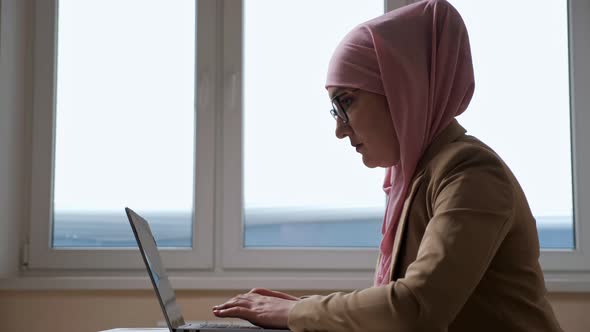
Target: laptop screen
x=149, y=251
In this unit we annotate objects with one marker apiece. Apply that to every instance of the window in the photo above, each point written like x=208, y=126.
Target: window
x=124, y=121
x=114, y=126
x=302, y=186
x=202, y=133
x=535, y=104
x=305, y=193
x=521, y=105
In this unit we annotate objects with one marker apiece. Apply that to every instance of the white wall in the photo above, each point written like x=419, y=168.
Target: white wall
x=90, y=311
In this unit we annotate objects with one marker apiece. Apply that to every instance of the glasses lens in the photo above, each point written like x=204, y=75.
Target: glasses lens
x=339, y=111
x=334, y=114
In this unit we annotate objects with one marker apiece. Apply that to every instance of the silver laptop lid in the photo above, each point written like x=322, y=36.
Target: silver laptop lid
x=153, y=263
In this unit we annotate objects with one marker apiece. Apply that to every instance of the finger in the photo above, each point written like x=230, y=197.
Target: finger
x=235, y=312
x=235, y=302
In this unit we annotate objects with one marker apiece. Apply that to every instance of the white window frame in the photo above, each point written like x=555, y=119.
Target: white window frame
x=41, y=255
x=235, y=254
x=562, y=265
x=219, y=260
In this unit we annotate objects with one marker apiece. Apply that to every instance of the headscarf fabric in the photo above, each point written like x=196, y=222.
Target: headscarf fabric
x=419, y=58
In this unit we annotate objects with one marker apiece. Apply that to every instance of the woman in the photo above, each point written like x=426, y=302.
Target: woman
x=460, y=248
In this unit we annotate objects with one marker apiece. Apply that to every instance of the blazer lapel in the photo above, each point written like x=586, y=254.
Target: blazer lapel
x=402, y=224
x=453, y=131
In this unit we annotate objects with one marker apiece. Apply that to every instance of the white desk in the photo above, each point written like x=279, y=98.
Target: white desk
x=138, y=330
x=141, y=329
x=161, y=326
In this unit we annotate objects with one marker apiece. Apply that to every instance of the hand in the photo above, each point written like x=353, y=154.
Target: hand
x=262, y=307
x=271, y=293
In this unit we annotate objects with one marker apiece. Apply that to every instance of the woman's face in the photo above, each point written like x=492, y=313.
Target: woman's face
x=370, y=128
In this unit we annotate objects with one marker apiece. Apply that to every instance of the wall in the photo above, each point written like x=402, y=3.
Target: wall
x=13, y=56
x=90, y=311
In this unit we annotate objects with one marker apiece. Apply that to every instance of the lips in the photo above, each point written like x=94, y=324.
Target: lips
x=358, y=146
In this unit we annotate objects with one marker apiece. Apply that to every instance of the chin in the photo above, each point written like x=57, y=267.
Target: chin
x=372, y=163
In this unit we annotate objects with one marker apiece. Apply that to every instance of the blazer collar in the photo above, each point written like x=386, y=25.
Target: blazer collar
x=451, y=133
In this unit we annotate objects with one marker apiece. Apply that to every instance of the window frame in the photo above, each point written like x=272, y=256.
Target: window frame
x=41, y=255
x=217, y=230
x=235, y=254
x=554, y=262
x=577, y=260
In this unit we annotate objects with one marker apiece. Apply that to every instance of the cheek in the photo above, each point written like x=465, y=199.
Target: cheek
x=382, y=143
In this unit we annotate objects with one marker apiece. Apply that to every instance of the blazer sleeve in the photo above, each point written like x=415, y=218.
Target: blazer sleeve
x=472, y=208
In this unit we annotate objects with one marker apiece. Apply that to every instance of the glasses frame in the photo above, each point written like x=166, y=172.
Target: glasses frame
x=337, y=106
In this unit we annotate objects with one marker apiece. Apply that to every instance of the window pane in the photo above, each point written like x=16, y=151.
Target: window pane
x=521, y=104
x=125, y=121
x=302, y=186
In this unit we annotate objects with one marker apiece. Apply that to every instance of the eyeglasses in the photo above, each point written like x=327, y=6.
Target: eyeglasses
x=338, y=110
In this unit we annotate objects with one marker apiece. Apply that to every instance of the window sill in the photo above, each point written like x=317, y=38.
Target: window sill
x=556, y=282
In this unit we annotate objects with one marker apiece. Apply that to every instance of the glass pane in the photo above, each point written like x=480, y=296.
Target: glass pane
x=302, y=186
x=125, y=121
x=521, y=104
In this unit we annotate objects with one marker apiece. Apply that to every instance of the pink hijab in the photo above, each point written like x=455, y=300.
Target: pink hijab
x=419, y=58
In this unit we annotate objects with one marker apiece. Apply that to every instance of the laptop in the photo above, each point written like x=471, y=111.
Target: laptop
x=165, y=293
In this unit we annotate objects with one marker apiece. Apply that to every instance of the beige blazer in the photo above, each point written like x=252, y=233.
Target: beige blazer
x=465, y=256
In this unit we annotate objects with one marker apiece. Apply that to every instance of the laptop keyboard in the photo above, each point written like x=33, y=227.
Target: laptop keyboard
x=210, y=325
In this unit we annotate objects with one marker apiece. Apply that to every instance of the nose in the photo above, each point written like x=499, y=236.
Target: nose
x=342, y=130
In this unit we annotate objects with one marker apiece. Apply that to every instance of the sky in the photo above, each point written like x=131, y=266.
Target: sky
x=125, y=103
